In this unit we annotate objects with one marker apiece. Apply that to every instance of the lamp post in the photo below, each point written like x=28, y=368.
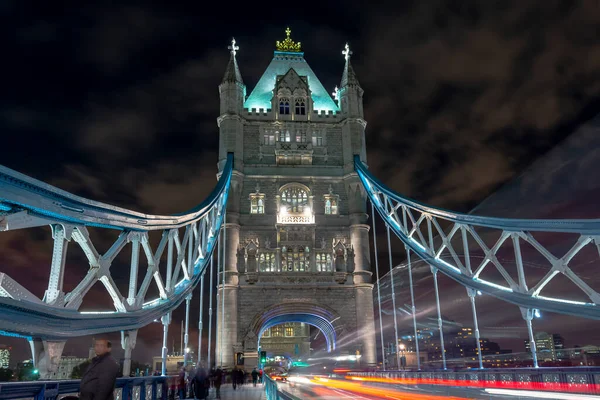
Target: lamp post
x=402, y=356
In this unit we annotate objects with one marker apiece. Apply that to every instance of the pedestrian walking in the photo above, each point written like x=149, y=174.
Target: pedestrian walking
x=200, y=383
x=254, y=376
x=217, y=380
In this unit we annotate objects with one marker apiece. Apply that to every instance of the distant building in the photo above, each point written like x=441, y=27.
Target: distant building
x=5, y=356
x=550, y=347
x=174, y=364
x=65, y=367
x=290, y=339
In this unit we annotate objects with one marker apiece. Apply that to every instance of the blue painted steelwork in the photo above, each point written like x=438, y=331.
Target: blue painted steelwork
x=35, y=318
x=392, y=207
x=317, y=321
x=150, y=388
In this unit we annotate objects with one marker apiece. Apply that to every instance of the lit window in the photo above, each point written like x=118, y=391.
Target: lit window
x=331, y=203
x=323, y=262
x=289, y=331
x=257, y=205
x=300, y=107
x=295, y=260
x=284, y=106
x=277, y=331
x=301, y=137
x=266, y=262
x=317, y=140
x=268, y=140
x=257, y=202
x=294, y=199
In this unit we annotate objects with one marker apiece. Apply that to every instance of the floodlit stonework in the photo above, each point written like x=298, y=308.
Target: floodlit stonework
x=297, y=244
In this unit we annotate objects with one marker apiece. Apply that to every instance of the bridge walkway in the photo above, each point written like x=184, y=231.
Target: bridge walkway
x=244, y=392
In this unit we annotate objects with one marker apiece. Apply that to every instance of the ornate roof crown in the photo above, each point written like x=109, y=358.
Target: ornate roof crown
x=288, y=44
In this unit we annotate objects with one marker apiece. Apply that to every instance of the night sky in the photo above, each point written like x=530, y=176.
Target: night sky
x=119, y=104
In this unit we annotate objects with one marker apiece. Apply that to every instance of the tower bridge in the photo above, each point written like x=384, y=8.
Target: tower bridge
x=284, y=237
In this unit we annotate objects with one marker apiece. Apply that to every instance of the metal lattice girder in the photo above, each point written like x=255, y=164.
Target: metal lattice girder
x=26, y=202
x=420, y=227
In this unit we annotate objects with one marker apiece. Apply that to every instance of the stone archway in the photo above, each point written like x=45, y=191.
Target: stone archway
x=323, y=318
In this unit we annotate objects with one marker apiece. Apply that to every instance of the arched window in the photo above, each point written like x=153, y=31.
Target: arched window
x=284, y=106
x=294, y=199
x=331, y=202
x=323, y=262
x=266, y=262
x=300, y=107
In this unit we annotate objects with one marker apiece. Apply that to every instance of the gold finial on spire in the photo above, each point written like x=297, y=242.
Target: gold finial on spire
x=288, y=44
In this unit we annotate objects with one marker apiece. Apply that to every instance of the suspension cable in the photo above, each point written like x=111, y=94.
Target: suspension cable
x=210, y=301
x=393, y=297
x=223, y=262
x=200, y=327
x=378, y=286
x=412, y=299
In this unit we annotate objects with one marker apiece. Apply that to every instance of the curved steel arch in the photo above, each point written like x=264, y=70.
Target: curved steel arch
x=26, y=202
x=398, y=213
x=319, y=316
x=318, y=322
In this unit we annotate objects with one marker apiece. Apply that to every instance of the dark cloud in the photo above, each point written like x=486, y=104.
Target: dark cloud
x=119, y=104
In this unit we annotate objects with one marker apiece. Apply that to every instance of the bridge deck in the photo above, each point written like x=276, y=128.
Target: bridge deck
x=244, y=392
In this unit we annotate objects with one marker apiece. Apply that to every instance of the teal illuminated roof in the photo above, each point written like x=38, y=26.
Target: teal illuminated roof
x=282, y=62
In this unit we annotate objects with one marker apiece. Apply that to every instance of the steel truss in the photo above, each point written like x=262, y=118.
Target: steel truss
x=189, y=239
x=417, y=225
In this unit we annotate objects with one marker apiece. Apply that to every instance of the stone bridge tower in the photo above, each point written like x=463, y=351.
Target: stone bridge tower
x=297, y=246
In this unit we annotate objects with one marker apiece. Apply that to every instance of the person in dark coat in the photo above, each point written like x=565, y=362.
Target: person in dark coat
x=217, y=380
x=200, y=382
x=98, y=382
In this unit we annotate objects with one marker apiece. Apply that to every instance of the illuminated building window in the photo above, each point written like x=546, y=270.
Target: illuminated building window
x=289, y=331
x=284, y=136
x=257, y=202
x=331, y=202
x=277, y=331
x=323, y=261
x=284, y=106
x=267, y=333
x=294, y=205
x=266, y=262
x=257, y=205
x=294, y=199
x=268, y=140
x=317, y=139
x=300, y=107
x=295, y=259
x=301, y=137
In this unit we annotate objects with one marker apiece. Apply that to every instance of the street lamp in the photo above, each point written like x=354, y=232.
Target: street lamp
x=402, y=355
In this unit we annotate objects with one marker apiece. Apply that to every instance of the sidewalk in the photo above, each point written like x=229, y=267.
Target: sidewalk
x=244, y=392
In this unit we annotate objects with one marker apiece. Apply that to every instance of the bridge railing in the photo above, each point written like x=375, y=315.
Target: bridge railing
x=572, y=380
x=273, y=391
x=137, y=388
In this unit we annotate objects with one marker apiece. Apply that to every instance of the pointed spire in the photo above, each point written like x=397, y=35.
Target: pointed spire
x=348, y=77
x=232, y=73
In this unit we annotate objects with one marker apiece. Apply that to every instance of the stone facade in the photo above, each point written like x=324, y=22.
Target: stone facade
x=297, y=245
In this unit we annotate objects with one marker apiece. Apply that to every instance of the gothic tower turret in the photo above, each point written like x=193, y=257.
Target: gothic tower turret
x=232, y=92
x=350, y=97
